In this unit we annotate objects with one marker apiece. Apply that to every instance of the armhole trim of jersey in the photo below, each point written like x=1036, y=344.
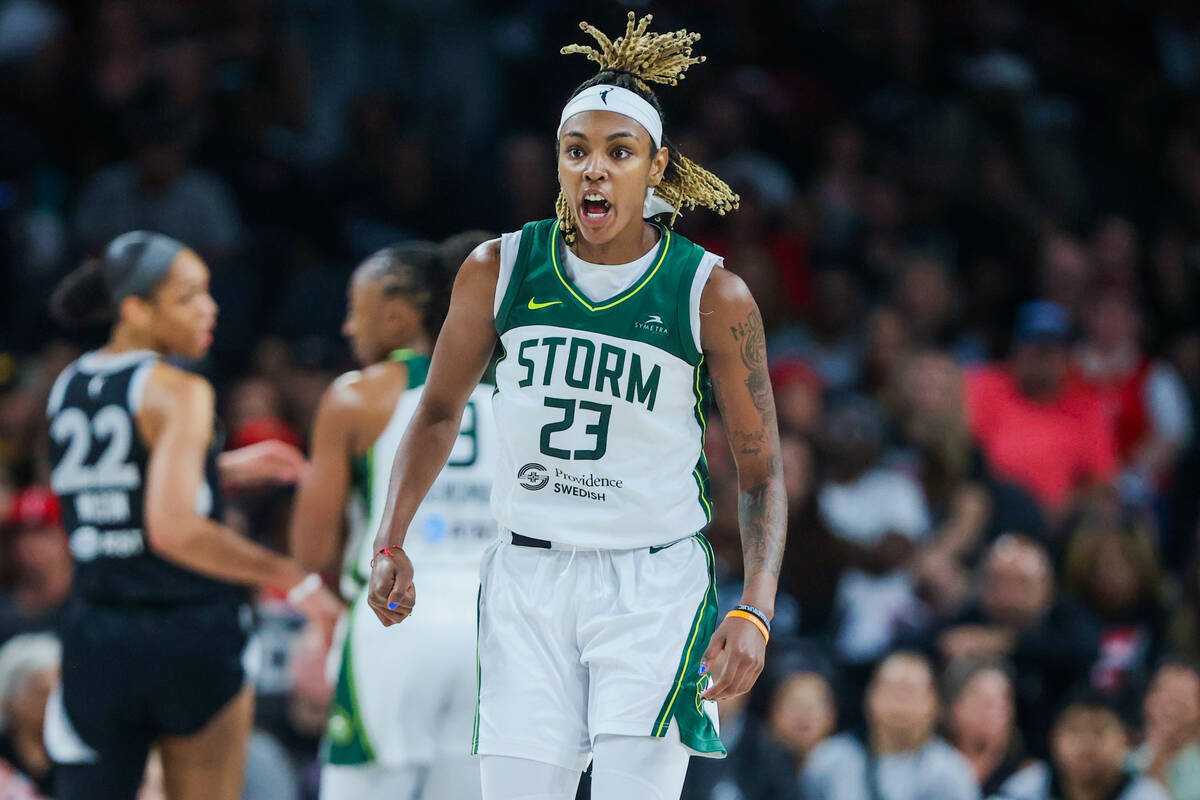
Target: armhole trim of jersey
x=708, y=262
x=59, y=390
x=510, y=248
x=137, y=385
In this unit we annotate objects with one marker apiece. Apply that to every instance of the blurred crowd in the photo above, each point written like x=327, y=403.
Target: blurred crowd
x=972, y=226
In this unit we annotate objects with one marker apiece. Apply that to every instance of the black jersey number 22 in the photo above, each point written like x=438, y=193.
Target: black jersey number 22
x=597, y=429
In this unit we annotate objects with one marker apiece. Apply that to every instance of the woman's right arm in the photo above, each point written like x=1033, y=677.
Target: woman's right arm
x=463, y=349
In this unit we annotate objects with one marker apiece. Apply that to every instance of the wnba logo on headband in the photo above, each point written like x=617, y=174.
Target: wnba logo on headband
x=604, y=97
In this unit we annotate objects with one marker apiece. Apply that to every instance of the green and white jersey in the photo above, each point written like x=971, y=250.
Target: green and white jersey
x=600, y=404
x=454, y=523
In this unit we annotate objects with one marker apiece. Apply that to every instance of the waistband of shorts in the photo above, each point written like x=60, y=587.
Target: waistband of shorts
x=520, y=540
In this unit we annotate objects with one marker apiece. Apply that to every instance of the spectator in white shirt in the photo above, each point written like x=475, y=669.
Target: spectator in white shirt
x=900, y=757
x=879, y=517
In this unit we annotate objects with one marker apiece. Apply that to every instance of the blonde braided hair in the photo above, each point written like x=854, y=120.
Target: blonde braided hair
x=651, y=58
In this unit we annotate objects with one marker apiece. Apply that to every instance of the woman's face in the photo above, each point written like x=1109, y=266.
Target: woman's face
x=375, y=323
x=182, y=312
x=932, y=386
x=1089, y=745
x=983, y=712
x=902, y=701
x=606, y=161
x=1172, y=705
x=802, y=714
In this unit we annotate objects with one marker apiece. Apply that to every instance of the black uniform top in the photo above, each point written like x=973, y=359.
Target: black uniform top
x=99, y=474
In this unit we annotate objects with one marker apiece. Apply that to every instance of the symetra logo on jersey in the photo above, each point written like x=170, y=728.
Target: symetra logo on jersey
x=653, y=323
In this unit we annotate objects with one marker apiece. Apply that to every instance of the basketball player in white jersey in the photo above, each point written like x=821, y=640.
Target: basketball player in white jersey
x=598, y=636
x=400, y=726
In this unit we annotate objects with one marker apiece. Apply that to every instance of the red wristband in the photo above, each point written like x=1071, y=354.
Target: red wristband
x=383, y=551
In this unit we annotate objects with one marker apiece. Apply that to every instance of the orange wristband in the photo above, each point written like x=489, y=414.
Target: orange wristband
x=746, y=615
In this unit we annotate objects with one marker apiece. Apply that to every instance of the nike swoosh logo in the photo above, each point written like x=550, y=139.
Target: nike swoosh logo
x=534, y=305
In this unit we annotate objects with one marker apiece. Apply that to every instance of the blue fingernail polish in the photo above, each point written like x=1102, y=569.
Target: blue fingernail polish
x=703, y=669
x=392, y=606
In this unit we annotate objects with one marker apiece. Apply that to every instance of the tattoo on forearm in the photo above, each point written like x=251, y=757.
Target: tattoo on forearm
x=752, y=339
x=762, y=517
x=762, y=508
x=749, y=443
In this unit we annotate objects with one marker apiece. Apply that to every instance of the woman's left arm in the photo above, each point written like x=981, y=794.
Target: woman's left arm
x=734, y=345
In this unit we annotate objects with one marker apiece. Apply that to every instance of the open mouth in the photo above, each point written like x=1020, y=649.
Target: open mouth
x=594, y=207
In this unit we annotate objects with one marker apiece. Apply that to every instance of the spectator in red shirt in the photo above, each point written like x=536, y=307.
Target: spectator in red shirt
x=1037, y=428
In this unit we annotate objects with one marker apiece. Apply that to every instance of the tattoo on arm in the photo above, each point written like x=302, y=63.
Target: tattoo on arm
x=749, y=443
x=761, y=518
x=752, y=340
x=762, y=507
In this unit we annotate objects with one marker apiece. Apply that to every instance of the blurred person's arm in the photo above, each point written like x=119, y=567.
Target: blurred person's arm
x=460, y=357
x=907, y=527
x=1170, y=415
x=317, y=531
x=269, y=461
x=970, y=509
x=178, y=409
x=938, y=569
x=889, y=552
x=734, y=344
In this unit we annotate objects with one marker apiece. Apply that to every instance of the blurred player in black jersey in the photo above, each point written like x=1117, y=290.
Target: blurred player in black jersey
x=153, y=639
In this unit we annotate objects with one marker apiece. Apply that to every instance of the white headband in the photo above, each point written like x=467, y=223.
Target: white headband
x=603, y=97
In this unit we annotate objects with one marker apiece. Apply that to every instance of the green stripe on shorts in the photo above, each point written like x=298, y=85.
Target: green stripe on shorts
x=683, y=702
x=475, y=732
x=345, y=735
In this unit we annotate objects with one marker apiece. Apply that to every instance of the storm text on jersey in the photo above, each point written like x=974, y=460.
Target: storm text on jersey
x=609, y=370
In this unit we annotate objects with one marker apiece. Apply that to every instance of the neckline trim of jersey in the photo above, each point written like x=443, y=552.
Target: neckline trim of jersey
x=96, y=361
x=664, y=246
x=579, y=271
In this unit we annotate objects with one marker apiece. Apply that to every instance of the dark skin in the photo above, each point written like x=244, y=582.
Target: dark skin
x=175, y=421
x=607, y=153
x=353, y=413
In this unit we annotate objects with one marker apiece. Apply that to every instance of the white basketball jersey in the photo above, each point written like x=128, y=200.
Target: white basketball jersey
x=454, y=523
x=600, y=404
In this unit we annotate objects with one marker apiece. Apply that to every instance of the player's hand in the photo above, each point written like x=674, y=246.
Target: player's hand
x=391, y=593
x=270, y=461
x=323, y=609
x=734, y=658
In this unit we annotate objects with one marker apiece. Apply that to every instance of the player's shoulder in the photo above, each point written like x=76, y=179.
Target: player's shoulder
x=483, y=260
x=178, y=383
x=723, y=288
x=352, y=391
x=725, y=303
x=172, y=392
